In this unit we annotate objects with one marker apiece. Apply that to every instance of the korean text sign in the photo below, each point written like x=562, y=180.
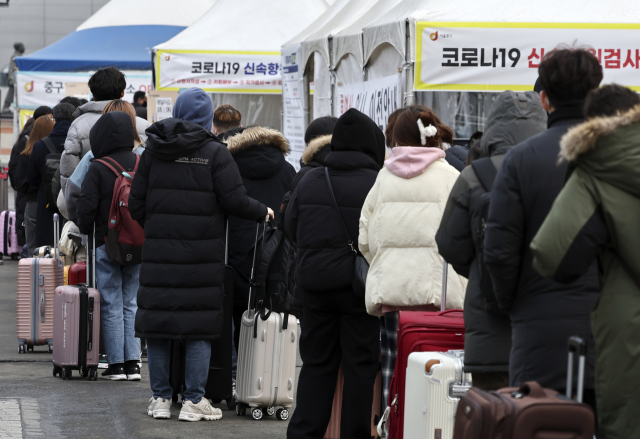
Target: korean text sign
x=377, y=98
x=506, y=56
x=220, y=71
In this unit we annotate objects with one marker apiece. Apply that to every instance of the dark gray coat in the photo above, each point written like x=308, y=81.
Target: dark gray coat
x=513, y=118
x=544, y=314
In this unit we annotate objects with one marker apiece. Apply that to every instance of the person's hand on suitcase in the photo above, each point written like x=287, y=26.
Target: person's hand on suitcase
x=270, y=214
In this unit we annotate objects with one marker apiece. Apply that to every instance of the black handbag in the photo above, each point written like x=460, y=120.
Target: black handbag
x=361, y=267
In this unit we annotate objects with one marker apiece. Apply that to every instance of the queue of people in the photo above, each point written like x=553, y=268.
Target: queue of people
x=535, y=219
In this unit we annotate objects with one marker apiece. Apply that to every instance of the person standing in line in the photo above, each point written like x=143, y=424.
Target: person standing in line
x=41, y=129
x=111, y=136
x=62, y=115
x=140, y=104
x=106, y=85
x=595, y=217
x=513, y=118
x=260, y=154
x=187, y=182
x=398, y=225
x=543, y=313
x=227, y=120
x=336, y=328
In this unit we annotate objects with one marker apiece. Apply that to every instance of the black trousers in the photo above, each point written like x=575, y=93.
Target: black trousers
x=336, y=330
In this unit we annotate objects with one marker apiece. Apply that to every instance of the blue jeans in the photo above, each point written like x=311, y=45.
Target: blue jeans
x=118, y=286
x=198, y=355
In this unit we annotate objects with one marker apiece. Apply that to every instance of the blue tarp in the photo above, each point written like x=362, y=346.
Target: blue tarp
x=124, y=47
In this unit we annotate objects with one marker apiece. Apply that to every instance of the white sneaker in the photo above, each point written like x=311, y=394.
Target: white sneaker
x=159, y=408
x=197, y=412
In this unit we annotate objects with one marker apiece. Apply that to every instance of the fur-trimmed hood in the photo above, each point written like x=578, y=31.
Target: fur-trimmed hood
x=316, y=149
x=607, y=148
x=255, y=136
x=259, y=152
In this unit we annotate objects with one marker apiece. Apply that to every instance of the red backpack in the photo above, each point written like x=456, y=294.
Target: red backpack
x=125, y=237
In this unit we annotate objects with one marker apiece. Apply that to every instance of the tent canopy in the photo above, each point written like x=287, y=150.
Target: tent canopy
x=349, y=39
x=349, y=12
x=255, y=25
x=113, y=38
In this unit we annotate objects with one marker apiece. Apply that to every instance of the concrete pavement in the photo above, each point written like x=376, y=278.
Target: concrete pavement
x=34, y=404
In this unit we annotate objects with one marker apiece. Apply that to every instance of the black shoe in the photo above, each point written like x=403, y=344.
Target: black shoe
x=115, y=372
x=132, y=370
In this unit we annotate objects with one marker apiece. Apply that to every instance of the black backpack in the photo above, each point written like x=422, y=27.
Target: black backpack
x=486, y=172
x=51, y=178
x=274, y=272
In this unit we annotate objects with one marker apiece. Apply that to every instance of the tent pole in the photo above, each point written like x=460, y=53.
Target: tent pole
x=408, y=66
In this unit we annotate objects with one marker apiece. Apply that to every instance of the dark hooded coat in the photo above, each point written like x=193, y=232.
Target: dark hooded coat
x=487, y=342
x=596, y=217
x=456, y=156
x=324, y=261
x=111, y=136
x=266, y=175
x=544, y=313
x=35, y=175
x=187, y=182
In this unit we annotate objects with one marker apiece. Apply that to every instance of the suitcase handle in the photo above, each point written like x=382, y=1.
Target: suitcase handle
x=449, y=311
x=42, y=303
x=579, y=346
x=443, y=296
x=530, y=388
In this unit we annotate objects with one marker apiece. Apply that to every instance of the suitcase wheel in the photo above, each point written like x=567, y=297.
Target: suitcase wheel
x=241, y=409
x=231, y=404
x=66, y=373
x=282, y=414
x=256, y=414
x=21, y=349
x=50, y=349
x=29, y=347
x=269, y=411
x=57, y=371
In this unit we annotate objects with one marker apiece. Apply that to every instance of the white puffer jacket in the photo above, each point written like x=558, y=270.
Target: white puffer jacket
x=398, y=225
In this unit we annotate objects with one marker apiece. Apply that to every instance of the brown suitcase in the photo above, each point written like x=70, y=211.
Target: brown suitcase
x=37, y=282
x=528, y=412
x=333, y=430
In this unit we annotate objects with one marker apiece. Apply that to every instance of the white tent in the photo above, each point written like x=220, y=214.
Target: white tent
x=233, y=51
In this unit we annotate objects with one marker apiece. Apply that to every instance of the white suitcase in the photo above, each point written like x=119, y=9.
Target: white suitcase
x=266, y=372
x=435, y=383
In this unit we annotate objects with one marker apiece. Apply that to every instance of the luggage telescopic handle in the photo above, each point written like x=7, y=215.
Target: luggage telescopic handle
x=253, y=266
x=443, y=297
x=579, y=346
x=56, y=236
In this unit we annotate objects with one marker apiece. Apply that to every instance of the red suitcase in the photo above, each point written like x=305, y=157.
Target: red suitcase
x=420, y=332
x=78, y=273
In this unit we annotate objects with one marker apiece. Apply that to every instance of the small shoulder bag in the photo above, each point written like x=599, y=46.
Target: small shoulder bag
x=361, y=267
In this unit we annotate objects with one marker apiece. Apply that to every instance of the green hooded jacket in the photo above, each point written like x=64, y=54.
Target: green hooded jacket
x=597, y=215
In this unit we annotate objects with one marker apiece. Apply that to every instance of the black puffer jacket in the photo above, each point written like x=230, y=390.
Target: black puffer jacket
x=324, y=259
x=111, y=136
x=266, y=175
x=185, y=185
x=487, y=343
x=544, y=314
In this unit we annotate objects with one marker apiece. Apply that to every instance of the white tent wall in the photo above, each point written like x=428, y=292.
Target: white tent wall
x=322, y=87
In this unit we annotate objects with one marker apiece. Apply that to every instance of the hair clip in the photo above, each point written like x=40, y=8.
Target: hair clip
x=425, y=132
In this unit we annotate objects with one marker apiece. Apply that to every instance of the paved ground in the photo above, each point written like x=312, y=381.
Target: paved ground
x=34, y=404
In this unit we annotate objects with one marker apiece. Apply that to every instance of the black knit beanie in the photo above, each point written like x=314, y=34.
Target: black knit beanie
x=355, y=131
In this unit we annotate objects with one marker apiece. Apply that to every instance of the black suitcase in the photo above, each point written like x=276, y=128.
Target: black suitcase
x=220, y=382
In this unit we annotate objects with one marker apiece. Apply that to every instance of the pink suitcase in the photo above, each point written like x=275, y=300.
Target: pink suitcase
x=37, y=281
x=76, y=326
x=9, y=235
x=76, y=331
